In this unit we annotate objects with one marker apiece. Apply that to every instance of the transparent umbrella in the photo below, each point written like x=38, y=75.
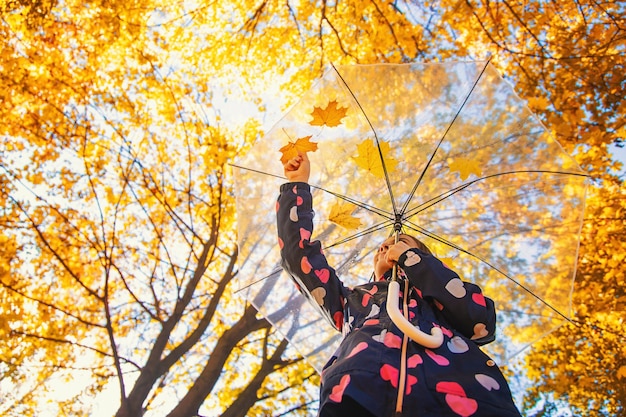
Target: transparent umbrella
x=444, y=151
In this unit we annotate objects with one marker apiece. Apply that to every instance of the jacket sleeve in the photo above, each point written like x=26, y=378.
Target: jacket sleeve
x=462, y=303
x=302, y=258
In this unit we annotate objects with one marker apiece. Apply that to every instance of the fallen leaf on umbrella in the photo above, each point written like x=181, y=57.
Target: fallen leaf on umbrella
x=330, y=116
x=370, y=158
x=293, y=149
x=341, y=214
x=465, y=167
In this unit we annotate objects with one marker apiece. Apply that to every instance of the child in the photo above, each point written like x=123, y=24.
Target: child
x=377, y=371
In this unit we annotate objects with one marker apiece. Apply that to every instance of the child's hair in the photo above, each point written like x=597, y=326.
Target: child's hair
x=420, y=245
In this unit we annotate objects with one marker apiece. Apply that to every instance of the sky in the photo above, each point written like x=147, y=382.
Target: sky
x=620, y=155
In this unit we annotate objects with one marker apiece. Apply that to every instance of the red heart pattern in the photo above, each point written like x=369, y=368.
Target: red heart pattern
x=439, y=360
x=479, y=299
x=338, y=390
x=357, y=349
x=323, y=274
x=390, y=374
x=457, y=399
x=368, y=295
x=414, y=360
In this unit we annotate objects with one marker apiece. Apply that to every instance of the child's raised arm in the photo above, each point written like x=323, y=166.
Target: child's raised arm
x=302, y=257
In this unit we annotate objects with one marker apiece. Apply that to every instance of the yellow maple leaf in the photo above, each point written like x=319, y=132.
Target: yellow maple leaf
x=465, y=167
x=621, y=372
x=341, y=214
x=330, y=116
x=369, y=158
x=292, y=149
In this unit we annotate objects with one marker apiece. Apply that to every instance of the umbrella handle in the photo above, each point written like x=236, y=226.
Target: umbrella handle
x=432, y=340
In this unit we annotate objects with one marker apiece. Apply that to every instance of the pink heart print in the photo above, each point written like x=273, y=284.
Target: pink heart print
x=388, y=339
x=304, y=235
x=479, y=299
x=457, y=399
x=368, y=295
x=389, y=373
x=338, y=390
x=414, y=360
x=419, y=292
x=410, y=381
x=392, y=341
x=446, y=331
x=358, y=348
x=439, y=360
x=323, y=274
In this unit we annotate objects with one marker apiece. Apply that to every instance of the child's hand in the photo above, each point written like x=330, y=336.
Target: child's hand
x=298, y=169
x=395, y=251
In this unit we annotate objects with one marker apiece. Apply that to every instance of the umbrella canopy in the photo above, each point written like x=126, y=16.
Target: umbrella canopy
x=447, y=150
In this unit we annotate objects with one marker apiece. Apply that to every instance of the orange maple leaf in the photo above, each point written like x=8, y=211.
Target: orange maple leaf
x=330, y=116
x=293, y=149
x=341, y=214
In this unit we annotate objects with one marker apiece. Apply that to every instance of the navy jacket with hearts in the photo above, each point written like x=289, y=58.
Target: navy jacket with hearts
x=456, y=379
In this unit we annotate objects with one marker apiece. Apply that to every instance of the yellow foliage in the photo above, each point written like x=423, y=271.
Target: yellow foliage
x=375, y=160
x=116, y=171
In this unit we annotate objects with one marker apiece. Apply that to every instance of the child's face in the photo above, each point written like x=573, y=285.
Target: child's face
x=381, y=264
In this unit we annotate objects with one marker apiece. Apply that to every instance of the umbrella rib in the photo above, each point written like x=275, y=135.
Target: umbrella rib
x=432, y=157
x=365, y=206
x=380, y=151
x=256, y=281
x=372, y=229
x=445, y=195
x=495, y=268
x=358, y=203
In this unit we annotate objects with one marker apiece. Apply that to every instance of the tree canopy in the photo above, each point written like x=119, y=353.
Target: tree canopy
x=118, y=255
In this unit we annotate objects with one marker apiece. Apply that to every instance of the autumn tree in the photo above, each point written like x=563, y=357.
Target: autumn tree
x=118, y=254
x=119, y=248
x=567, y=60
